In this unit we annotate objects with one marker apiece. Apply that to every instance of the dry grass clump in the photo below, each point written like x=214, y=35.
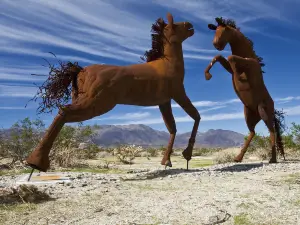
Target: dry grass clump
x=224, y=157
x=22, y=194
x=127, y=153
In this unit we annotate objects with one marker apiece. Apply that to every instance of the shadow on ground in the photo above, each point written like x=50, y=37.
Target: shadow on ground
x=240, y=167
x=161, y=173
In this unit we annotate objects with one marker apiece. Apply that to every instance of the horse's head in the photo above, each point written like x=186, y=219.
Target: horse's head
x=177, y=32
x=225, y=29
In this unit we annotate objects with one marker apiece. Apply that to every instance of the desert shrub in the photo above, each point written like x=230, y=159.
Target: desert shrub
x=91, y=152
x=263, y=153
x=260, y=144
x=65, y=152
x=161, y=150
x=295, y=132
x=127, y=153
x=152, y=152
x=224, y=157
x=205, y=151
x=21, y=139
x=23, y=194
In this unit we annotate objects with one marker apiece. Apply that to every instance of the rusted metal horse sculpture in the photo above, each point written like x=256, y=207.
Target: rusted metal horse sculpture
x=97, y=89
x=247, y=78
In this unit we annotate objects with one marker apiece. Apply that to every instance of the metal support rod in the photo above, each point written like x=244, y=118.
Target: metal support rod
x=30, y=175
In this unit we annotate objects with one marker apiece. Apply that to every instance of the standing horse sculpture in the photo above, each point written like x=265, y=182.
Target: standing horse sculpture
x=97, y=89
x=247, y=78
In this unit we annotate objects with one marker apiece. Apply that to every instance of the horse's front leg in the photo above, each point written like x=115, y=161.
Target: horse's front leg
x=239, y=64
x=190, y=109
x=222, y=61
x=166, y=111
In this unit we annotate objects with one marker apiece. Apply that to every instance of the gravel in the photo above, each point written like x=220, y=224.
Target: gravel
x=255, y=193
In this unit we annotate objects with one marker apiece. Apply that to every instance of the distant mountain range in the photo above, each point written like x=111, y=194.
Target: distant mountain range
x=113, y=135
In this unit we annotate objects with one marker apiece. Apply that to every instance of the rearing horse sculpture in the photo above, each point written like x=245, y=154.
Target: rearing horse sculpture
x=97, y=89
x=247, y=78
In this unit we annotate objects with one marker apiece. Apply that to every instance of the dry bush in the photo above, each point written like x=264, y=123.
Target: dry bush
x=152, y=152
x=205, y=151
x=224, y=157
x=127, y=153
x=20, y=140
x=65, y=152
x=23, y=194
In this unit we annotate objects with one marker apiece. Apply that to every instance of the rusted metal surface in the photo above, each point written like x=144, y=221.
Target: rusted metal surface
x=97, y=89
x=245, y=67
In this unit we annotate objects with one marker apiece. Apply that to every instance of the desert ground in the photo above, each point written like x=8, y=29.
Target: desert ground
x=249, y=193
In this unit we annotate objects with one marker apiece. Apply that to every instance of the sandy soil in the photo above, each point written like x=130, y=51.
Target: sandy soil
x=246, y=193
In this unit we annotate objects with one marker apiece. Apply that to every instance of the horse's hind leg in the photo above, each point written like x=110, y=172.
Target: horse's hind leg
x=83, y=110
x=267, y=116
x=252, y=118
x=169, y=120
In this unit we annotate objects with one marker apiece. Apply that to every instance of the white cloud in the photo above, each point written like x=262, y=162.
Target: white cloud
x=291, y=111
x=126, y=116
x=99, y=28
x=23, y=73
x=202, y=104
x=12, y=108
x=184, y=119
x=17, y=91
x=287, y=99
x=245, y=12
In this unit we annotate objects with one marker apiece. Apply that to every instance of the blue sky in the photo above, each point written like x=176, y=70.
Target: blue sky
x=118, y=32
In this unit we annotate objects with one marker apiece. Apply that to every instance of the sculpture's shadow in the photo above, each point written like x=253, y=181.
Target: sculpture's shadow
x=162, y=173
x=237, y=167
x=241, y=167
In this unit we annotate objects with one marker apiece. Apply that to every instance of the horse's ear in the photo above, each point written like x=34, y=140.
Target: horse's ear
x=170, y=18
x=212, y=27
x=219, y=20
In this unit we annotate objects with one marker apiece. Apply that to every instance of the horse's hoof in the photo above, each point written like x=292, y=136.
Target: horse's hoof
x=167, y=163
x=238, y=159
x=272, y=161
x=186, y=155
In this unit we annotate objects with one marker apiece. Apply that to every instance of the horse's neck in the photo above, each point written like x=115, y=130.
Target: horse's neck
x=174, y=54
x=240, y=46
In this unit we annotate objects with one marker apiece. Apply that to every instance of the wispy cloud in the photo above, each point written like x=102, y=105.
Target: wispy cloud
x=203, y=103
x=184, y=119
x=291, y=111
x=17, y=91
x=245, y=12
x=287, y=99
x=95, y=29
x=23, y=50
x=12, y=108
x=126, y=116
x=227, y=102
x=22, y=73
